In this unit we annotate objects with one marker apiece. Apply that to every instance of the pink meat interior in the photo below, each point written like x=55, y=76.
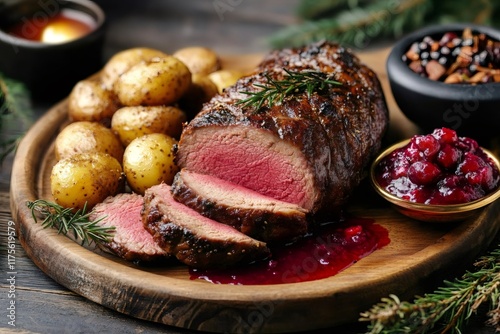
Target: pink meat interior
x=124, y=213
x=232, y=194
x=193, y=221
x=252, y=158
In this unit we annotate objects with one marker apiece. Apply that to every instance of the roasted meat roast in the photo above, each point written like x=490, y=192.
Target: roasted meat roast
x=258, y=174
x=308, y=150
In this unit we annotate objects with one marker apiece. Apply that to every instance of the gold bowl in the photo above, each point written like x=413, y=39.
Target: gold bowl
x=429, y=212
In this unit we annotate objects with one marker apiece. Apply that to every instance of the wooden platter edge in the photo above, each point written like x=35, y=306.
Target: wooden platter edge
x=265, y=310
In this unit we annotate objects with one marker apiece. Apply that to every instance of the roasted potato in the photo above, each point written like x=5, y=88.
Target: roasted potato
x=148, y=161
x=85, y=178
x=160, y=81
x=122, y=61
x=129, y=123
x=202, y=89
x=224, y=78
x=199, y=60
x=81, y=137
x=90, y=101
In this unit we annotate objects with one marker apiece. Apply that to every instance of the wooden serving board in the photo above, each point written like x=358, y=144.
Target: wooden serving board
x=418, y=255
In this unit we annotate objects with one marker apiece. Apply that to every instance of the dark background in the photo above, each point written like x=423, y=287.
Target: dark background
x=43, y=306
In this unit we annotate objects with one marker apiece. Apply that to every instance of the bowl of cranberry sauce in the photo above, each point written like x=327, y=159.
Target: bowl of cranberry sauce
x=449, y=76
x=437, y=177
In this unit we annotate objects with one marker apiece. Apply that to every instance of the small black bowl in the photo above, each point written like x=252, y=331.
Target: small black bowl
x=471, y=110
x=50, y=71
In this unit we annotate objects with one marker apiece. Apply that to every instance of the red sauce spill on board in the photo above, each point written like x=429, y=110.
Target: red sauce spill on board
x=334, y=247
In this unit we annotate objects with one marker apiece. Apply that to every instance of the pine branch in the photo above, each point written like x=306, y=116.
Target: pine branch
x=14, y=103
x=7, y=147
x=355, y=23
x=447, y=309
x=317, y=9
x=478, y=12
x=357, y=26
x=14, y=99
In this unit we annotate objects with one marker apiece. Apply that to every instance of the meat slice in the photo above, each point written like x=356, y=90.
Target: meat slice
x=130, y=240
x=194, y=239
x=310, y=150
x=249, y=212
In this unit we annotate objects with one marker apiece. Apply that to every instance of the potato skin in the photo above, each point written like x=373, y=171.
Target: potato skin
x=224, y=78
x=200, y=60
x=129, y=123
x=90, y=101
x=122, y=61
x=85, y=178
x=161, y=81
x=82, y=137
x=148, y=161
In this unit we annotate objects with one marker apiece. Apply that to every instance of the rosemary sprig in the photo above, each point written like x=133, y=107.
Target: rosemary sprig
x=273, y=92
x=65, y=220
x=447, y=309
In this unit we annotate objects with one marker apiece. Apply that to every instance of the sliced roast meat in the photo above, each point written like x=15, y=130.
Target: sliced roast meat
x=251, y=213
x=310, y=150
x=194, y=239
x=130, y=240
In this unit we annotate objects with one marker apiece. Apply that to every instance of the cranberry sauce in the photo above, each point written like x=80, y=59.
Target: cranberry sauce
x=331, y=249
x=440, y=168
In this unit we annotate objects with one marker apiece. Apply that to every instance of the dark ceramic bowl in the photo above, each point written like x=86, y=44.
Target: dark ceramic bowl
x=49, y=71
x=471, y=110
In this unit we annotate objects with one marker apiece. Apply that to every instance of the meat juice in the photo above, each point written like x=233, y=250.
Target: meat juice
x=333, y=248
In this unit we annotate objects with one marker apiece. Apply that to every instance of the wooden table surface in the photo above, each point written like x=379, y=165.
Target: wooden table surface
x=41, y=304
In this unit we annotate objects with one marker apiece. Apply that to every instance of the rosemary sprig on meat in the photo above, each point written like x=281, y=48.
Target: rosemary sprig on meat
x=66, y=221
x=448, y=308
x=273, y=92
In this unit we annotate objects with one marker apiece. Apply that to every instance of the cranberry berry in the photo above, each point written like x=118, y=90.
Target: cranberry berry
x=439, y=168
x=428, y=145
x=423, y=172
x=445, y=135
x=449, y=156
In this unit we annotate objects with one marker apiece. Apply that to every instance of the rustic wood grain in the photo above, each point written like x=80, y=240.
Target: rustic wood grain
x=417, y=255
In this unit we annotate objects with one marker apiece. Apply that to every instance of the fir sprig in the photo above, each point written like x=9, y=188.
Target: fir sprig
x=15, y=103
x=357, y=26
x=273, y=92
x=66, y=221
x=7, y=147
x=447, y=309
x=357, y=23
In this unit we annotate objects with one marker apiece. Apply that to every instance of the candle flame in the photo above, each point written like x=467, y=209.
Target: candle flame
x=60, y=32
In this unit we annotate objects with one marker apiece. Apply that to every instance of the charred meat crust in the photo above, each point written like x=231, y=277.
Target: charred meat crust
x=189, y=245
x=338, y=132
x=275, y=223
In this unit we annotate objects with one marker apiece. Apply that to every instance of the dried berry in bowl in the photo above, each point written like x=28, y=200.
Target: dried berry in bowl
x=470, y=109
x=469, y=57
x=437, y=177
